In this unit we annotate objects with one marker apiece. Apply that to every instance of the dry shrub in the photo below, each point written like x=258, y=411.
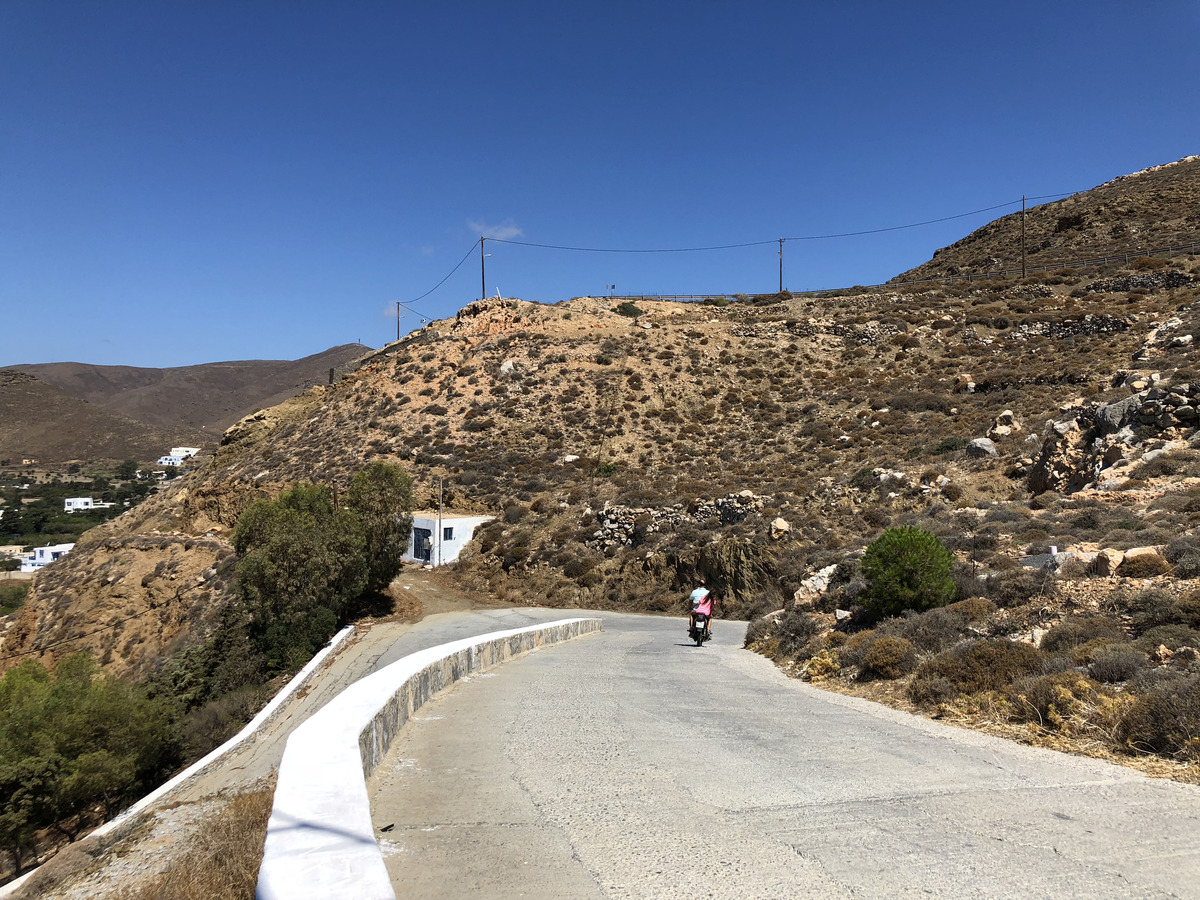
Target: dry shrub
x=1154, y=607
x=1170, y=636
x=889, y=657
x=989, y=665
x=934, y=630
x=1111, y=664
x=1146, y=566
x=1076, y=632
x=1049, y=700
x=796, y=630
x=223, y=858
x=1018, y=586
x=758, y=630
x=1165, y=720
x=976, y=609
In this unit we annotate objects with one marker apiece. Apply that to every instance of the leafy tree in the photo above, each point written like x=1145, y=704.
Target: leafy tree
x=381, y=496
x=70, y=741
x=302, y=563
x=906, y=568
x=128, y=469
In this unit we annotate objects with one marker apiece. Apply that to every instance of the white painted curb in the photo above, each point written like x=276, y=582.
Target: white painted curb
x=320, y=840
x=265, y=715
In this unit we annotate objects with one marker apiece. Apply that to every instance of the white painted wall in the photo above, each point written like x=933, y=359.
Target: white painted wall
x=462, y=530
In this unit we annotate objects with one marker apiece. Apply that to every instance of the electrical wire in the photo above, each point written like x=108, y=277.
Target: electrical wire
x=110, y=627
x=444, y=280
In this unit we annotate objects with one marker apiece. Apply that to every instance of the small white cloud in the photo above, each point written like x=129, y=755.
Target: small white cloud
x=427, y=250
x=505, y=231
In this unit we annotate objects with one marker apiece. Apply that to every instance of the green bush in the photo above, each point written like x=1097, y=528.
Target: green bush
x=906, y=568
x=12, y=596
x=627, y=309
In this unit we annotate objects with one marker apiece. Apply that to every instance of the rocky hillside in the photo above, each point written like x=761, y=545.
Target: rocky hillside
x=758, y=442
x=1157, y=207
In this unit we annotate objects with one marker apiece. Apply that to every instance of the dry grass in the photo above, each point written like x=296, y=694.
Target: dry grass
x=224, y=858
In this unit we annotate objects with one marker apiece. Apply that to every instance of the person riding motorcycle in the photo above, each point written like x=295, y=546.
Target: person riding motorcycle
x=701, y=600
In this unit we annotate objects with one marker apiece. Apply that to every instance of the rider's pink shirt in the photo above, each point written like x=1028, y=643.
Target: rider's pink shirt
x=704, y=607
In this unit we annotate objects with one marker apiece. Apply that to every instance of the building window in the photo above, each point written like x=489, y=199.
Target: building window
x=447, y=534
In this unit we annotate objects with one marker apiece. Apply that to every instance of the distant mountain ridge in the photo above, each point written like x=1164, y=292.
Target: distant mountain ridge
x=83, y=411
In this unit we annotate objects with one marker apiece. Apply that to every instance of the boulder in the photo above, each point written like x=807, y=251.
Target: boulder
x=1112, y=417
x=1106, y=563
x=780, y=528
x=981, y=448
x=813, y=586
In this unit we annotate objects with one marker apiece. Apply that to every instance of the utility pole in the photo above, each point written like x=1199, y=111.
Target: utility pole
x=781, y=265
x=397, y=320
x=441, y=531
x=482, y=270
x=1022, y=237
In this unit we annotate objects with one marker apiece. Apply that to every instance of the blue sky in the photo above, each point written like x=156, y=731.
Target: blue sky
x=192, y=182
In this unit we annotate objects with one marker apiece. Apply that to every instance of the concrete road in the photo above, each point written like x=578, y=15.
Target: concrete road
x=365, y=652
x=632, y=764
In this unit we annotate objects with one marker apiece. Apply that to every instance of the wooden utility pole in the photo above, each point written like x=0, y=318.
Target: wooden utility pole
x=1022, y=237
x=781, y=265
x=397, y=320
x=482, y=270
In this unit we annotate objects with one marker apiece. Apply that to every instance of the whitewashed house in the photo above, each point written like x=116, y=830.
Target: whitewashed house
x=184, y=452
x=438, y=544
x=171, y=460
x=43, y=556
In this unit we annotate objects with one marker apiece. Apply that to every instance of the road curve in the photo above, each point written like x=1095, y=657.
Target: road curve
x=631, y=764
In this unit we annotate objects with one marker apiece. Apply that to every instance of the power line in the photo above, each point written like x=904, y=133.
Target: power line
x=71, y=640
x=631, y=250
x=975, y=212
x=443, y=281
x=807, y=237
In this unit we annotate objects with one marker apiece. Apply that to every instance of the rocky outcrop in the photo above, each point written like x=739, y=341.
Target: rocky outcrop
x=626, y=525
x=1091, y=439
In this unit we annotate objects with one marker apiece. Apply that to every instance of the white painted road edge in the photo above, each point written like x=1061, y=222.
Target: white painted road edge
x=264, y=716
x=320, y=839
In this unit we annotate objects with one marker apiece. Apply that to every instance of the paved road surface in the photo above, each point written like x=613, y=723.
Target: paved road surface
x=631, y=764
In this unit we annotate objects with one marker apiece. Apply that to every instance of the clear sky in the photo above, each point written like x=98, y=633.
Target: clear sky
x=193, y=182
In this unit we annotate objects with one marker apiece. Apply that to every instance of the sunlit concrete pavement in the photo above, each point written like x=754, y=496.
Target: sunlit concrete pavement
x=632, y=764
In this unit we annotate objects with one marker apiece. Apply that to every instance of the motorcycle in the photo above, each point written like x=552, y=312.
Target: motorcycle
x=698, y=631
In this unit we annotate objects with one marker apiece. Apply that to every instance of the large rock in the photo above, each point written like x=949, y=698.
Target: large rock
x=981, y=448
x=813, y=586
x=1112, y=417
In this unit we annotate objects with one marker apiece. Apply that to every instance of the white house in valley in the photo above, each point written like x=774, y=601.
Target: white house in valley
x=171, y=460
x=43, y=556
x=82, y=504
x=184, y=452
x=437, y=540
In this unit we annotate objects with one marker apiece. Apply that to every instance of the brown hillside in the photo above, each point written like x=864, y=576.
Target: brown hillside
x=44, y=422
x=1157, y=207
x=757, y=442
x=208, y=397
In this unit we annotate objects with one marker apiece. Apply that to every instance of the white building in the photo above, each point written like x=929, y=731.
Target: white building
x=70, y=504
x=171, y=460
x=436, y=545
x=184, y=452
x=43, y=556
